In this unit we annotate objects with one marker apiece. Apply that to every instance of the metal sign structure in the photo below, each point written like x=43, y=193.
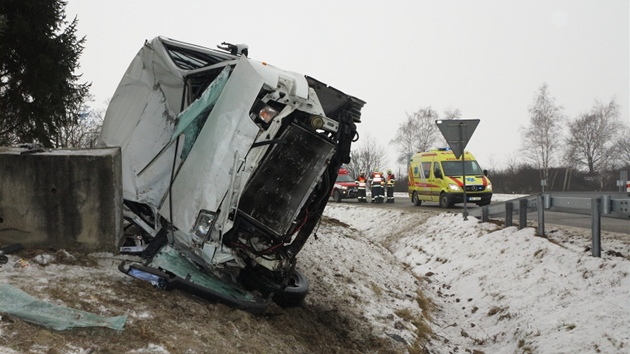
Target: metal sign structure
x=457, y=133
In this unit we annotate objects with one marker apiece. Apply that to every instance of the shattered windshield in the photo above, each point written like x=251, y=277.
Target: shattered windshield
x=454, y=168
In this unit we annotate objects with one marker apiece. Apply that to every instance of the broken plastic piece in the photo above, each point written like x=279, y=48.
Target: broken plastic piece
x=178, y=272
x=16, y=302
x=11, y=248
x=155, y=280
x=133, y=249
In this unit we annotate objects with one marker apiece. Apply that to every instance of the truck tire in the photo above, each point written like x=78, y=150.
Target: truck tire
x=415, y=200
x=284, y=296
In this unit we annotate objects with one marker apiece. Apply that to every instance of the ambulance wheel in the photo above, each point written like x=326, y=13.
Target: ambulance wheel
x=445, y=201
x=337, y=196
x=415, y=200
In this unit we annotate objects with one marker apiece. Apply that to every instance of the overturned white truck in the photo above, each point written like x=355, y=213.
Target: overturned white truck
x=228, y=164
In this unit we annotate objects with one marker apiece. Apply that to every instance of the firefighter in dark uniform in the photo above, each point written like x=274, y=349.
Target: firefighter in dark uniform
x=361, y=183
x=391, y=182
x=377, y=184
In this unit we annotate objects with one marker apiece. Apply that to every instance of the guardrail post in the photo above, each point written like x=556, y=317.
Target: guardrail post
x=522, y=214
x=484, y=214
x=596, y=249
x=509, y=209
x=541, y=216
x=606, y=204
x=547, y=201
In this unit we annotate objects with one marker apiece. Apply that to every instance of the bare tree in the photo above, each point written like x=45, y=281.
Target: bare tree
x=493, y=163
x=452, y=113
x=82, y=134
x=417, y=133
x=592, y=137
x=541, y=140
x=369, y=156
x=623, y=147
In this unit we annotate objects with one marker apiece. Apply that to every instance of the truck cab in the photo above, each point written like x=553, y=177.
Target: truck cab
x=207, y=137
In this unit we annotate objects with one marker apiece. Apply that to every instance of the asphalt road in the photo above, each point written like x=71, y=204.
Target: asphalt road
x=555, y=218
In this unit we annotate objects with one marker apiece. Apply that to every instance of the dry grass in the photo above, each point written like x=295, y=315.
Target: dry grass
x=182, y=323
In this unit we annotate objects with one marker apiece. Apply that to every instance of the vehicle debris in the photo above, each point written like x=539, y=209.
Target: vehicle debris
x=16, y=302
x=228, y=164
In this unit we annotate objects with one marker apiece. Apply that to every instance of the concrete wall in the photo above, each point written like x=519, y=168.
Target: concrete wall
x=70, y=199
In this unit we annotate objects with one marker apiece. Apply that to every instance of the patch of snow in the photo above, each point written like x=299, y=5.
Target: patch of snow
x=505, y=290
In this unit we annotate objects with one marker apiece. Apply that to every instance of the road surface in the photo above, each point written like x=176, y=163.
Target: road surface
x=556, y=218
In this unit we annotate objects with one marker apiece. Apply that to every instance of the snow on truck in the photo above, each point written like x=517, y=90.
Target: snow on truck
x=436, y=176
x=207, y=139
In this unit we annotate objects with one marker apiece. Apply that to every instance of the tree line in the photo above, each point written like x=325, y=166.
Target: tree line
x=584, y=153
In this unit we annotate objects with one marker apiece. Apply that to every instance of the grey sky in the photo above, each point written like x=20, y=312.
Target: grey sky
x=486, y=58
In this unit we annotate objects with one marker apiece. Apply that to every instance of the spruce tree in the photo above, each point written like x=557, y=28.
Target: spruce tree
x=39, y=54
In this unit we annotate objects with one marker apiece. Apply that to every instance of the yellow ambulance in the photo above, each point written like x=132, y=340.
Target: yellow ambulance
x=436, y=176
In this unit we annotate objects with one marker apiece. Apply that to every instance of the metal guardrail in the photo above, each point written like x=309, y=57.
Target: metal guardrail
x=596, y=204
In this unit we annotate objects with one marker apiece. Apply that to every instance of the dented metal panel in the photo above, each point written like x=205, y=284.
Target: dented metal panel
x=203, y=180
x=140, y=119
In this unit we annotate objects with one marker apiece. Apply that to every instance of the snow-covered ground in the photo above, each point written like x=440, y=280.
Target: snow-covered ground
x=503, y=290
x=494, y=289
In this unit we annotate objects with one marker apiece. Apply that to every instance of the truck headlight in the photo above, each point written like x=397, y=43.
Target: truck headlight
x=454, y=188
x=267, y=113
x=262, y=113
x=489, y=187
x=203, y=225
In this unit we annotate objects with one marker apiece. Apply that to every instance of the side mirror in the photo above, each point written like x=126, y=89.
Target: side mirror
x=438, y=173
x=485, y=173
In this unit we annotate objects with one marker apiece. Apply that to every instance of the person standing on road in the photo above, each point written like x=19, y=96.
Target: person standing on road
x=361, y=182
x=377, y=183
x=391, y=183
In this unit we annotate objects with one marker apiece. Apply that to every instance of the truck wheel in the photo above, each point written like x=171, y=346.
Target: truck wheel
x=290, y=296
x=337, y=196
x=294, y=293
x=415, y=200
x=445, y=201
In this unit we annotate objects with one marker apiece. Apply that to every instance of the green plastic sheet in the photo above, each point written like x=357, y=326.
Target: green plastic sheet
x=192, y=119
x=16, y=302
x=170, y=259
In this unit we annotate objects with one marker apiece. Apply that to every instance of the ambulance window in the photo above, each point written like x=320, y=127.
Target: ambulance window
x=437, y=171
x=415, y=170
x=426, y=169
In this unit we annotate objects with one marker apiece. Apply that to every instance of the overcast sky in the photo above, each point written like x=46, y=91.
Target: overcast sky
x=486, y=58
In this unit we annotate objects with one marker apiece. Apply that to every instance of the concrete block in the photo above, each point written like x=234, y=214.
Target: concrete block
x=70, y=199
